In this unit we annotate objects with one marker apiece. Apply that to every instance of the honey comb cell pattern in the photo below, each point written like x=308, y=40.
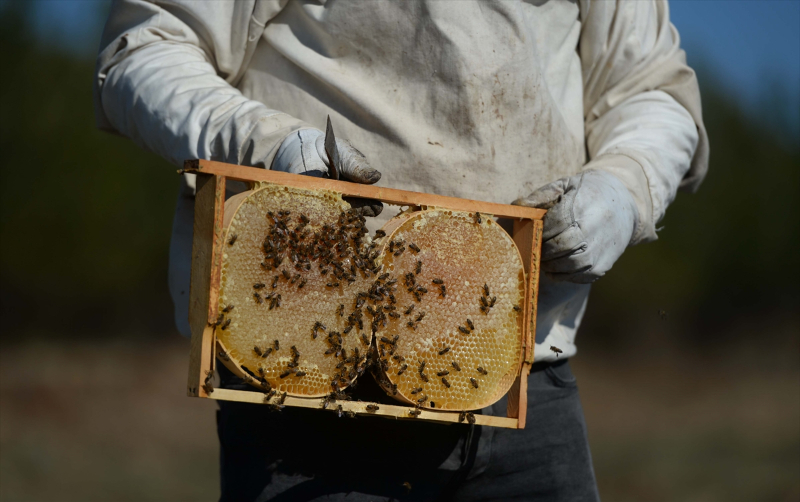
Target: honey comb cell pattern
x=456, y=344
x=293, y=261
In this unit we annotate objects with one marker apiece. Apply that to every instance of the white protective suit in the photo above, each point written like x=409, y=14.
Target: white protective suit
x=482, y=100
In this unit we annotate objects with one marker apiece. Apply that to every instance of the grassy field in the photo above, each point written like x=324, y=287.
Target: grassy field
x=109, y=421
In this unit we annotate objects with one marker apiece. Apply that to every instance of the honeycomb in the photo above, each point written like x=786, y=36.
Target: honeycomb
x=309, y=302
x=293, y=263
x=456, y=343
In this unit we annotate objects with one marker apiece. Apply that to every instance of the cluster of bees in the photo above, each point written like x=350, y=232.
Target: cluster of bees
x=341, y=253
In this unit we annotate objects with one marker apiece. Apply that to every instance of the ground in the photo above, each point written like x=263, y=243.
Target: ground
x=110, y=421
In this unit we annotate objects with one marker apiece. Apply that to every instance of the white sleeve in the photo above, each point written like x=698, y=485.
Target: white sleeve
x=164, y=79
x=641, y=105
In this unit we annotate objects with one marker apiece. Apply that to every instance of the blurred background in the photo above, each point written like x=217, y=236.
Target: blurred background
x=689, y=358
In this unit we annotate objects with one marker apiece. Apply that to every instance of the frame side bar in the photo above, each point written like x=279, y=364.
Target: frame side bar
x=209, y=202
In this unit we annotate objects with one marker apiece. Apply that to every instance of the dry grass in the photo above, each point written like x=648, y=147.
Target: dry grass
x=110, y=421
x=672, y=428
x=103, y=421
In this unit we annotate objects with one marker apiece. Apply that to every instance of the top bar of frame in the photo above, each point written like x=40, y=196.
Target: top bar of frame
x=388, y=195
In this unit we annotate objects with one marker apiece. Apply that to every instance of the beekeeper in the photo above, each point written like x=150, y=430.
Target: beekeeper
x=586, y=108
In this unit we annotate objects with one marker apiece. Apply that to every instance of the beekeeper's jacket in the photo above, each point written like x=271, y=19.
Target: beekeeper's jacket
x=484, y=100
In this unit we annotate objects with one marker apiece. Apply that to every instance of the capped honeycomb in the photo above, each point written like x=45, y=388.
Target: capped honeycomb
x=293, y=263
x=452, y=337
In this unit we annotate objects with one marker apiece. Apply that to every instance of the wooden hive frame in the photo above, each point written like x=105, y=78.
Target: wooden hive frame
x=206, y=274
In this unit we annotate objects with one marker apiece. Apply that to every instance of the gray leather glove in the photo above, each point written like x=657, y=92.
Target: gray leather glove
x=303, y=152
x=590, y=221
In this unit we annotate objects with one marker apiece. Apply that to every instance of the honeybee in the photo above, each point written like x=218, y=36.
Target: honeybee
x=347, y=329
x=287, y=373
x=295, y=352
x=402, y=369
x=477, y=218
x=394, y=315
x=302, y=283
x=228, y=308
x=442, y=373
x=294, y=279
x=482, y=371
x=424, y=377
x=379, y=234
x=517, y=308
x=414, y=247
x=471, y=418
x=333, y=284
x=485, y=310
x=232, y=239
x=372, y=408
x=417, y=390
x=300, y=373
x=462, y=416
x=283, y=398
x=286, y=274
x=445, y=382
x=422, y=366
x=258, y=298
x=340, y=310
x=444, y=351
x=207, y=385
x=484, y=302
x=258, y=351
x=219, y=320
x=399, y=251
x=443, y=291
x=456, y=366
x=463, y=330
x=410, y=309
x=438, y=281
x=422, y=399
x=258, y=285
x=267, y=352
x=421, y=289
x=420, y=317
x=277, y=345
x=275, y=281
x=418, y=269
x=556, y=350
x=414, y=413
x=491, y=303
x=410, y=324
x=225, y=324
x=485, y=289
x=473, y=382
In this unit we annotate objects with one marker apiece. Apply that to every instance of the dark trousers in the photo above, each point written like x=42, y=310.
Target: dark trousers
x=303, y=455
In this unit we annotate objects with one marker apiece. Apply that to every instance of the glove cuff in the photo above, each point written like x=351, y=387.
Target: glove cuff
x=631, y=174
